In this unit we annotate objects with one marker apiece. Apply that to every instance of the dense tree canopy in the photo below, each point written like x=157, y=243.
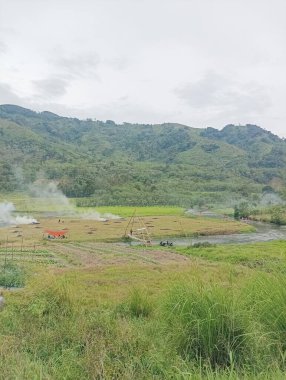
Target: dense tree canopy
x=138, y=164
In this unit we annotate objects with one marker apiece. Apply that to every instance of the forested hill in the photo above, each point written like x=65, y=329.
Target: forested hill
x=138, y=164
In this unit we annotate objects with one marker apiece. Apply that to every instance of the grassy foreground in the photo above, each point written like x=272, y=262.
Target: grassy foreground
x=147, y=317
x=89, y=309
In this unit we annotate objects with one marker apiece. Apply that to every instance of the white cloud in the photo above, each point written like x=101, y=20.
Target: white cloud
x=7, y=95
x=81, y=65
x=51, y=87
x=3, y=48
x=216, y=93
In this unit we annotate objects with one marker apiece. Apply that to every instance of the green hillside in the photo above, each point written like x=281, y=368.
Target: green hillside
x=139, y=164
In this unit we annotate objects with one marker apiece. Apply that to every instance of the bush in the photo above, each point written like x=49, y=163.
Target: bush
x=278, y=215
x=204, y=244
x=11, y=275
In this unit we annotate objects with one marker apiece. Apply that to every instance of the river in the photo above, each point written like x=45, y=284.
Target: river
x=264, y=232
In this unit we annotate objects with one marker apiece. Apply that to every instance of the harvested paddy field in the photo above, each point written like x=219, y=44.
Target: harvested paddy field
x=113, y=230
x=90, y=255
x=104, y=254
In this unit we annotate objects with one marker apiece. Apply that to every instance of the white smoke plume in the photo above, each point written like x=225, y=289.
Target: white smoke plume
x=271, y=199
x=8, y=217
x=49, y=193
x=54, y=199
x=94, y=215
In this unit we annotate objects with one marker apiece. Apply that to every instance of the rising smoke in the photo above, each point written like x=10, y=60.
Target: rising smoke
x=48, y=194
x=271, y=199
x=94, y=215
x=8, y=217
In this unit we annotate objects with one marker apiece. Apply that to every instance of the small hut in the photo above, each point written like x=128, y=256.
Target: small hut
x=50, y=234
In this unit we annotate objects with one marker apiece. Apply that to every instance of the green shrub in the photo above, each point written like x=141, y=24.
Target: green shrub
x=203, y=244
x=11, y=275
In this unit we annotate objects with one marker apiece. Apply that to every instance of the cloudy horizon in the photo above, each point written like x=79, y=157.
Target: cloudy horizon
x=201, y=63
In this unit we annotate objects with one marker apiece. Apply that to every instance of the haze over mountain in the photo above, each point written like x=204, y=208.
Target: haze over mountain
x=139, y=164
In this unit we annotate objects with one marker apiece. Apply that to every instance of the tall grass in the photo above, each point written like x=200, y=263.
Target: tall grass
x=137, y=305
x=265, y=297
x=206, y=325
x=193, y=330
x=53, y=298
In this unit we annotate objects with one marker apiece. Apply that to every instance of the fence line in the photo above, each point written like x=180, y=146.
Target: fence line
x=12, y=247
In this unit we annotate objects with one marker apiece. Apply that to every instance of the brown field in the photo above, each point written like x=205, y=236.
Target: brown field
x=87, y=254
x=107, y=271
x=113, y=230
x=91, y=243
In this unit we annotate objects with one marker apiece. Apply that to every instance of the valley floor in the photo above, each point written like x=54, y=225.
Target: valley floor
x=96, y=310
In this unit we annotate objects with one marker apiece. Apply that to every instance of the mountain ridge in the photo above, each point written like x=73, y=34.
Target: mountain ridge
x=129, y=163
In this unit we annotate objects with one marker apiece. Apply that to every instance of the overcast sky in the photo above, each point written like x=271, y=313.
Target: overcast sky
x=196, y=62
